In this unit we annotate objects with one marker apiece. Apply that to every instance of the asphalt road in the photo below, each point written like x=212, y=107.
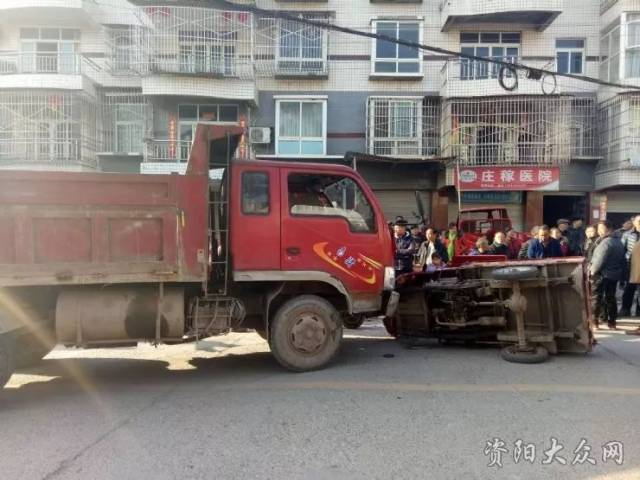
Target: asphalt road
x=227, y=411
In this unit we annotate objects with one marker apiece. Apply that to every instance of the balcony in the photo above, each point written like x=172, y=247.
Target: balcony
x=166, y=151
x=37, y=63
x=538, y=15
x=471, y=78
x=34, y=70
x=44, y=154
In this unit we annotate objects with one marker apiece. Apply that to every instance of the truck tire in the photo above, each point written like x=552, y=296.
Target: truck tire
x=6, y=360
x=515, y=273
x=305, y=333
x=537, y=354
x=353, y=322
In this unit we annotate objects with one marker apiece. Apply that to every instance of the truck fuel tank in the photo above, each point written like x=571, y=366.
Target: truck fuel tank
x=89, y=315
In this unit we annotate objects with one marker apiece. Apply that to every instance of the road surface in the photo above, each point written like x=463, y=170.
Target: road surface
x=227, y=411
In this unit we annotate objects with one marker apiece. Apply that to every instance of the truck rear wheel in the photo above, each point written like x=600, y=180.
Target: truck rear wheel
x=305, y=333
x=6, y=360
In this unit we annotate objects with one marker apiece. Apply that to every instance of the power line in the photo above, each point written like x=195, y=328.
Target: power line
x=533, y=72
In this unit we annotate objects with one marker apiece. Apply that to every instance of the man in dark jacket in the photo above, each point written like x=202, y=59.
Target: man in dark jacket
x=576, y=237
x=499, y=245
x=607, y=269
x=629, y=240
x=405, y=247
x=544, y=246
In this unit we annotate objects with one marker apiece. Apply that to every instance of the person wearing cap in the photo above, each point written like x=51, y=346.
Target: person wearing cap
x=576, y=237
x=405, y=247
x=563, y=226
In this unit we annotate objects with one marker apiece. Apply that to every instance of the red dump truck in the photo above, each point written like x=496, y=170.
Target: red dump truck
x=288, y=249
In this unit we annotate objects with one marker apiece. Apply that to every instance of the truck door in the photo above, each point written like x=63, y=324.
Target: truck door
x=329, y=225
x=255, y=226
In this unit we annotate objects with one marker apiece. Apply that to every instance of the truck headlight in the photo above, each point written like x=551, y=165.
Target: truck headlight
x=389, y=278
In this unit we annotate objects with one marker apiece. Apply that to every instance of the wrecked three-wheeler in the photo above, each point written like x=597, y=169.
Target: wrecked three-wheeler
x=531, y=308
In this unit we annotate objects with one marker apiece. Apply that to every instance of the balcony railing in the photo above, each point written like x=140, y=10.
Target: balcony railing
x=38, y=152
x=520, y=153
x=218, y=68
x=471, y=78
x=62, y=63
x=301, y=67
x=167, y=151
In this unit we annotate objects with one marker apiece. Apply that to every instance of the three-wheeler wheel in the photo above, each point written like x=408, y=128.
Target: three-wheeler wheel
x=305, y=333
x=353, y=322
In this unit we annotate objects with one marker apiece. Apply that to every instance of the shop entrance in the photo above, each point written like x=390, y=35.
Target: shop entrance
x=555, y=207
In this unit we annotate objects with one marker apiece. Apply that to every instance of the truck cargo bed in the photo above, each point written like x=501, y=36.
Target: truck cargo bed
x=63, y=228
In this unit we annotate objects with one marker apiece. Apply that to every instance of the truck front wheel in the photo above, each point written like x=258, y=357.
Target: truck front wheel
x=6, y=360
x=305, y=333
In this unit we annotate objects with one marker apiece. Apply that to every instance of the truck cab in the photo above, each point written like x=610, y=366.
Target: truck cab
x=290, y=220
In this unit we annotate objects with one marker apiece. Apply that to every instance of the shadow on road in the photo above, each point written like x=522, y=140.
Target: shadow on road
x=68, y=377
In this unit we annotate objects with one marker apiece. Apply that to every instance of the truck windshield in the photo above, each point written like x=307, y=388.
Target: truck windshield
x=331, y=196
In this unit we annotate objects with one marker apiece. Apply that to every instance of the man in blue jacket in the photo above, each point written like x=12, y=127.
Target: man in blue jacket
x=544, y=246
x=405, y=247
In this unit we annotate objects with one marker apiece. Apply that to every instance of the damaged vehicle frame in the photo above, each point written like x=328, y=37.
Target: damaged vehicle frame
x=531, y=308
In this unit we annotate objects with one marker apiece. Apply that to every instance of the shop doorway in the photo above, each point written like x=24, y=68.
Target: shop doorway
x=555, y=207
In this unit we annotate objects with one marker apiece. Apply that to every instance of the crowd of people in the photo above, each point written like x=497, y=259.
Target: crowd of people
x=612, y=256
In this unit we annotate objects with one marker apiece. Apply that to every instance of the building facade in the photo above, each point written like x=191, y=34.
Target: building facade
x=117, y=85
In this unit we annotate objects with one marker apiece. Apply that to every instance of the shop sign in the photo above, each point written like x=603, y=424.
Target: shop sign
x=508, y=178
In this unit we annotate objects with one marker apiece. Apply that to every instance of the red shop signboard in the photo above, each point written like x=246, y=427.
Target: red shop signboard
x=508, y=178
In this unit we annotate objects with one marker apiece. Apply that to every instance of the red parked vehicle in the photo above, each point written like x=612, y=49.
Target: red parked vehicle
x=476, y=222
x=287, y=249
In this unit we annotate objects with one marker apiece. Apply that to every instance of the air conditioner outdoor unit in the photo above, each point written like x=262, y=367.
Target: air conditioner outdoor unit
x=260, y=135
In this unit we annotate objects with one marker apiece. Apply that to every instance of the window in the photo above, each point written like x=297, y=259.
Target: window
x=301, y=127
x=570, y=56
x=129, y=118
x=49, y=50
x=632, y=52
x=301, y=49
x=190, y=115
x=331, y=196
x=391, y=58
x=610, y=52
x=503, y=46
x=124, y=49
x=255, y=193
x=395, y=126
x=212, y=54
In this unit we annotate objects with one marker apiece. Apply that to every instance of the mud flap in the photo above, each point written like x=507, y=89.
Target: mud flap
x=392, y=306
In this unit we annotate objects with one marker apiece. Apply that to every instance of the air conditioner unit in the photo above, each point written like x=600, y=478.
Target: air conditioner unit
x=260, y=135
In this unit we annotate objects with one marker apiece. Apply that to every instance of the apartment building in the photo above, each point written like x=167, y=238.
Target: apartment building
x=116, y=85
